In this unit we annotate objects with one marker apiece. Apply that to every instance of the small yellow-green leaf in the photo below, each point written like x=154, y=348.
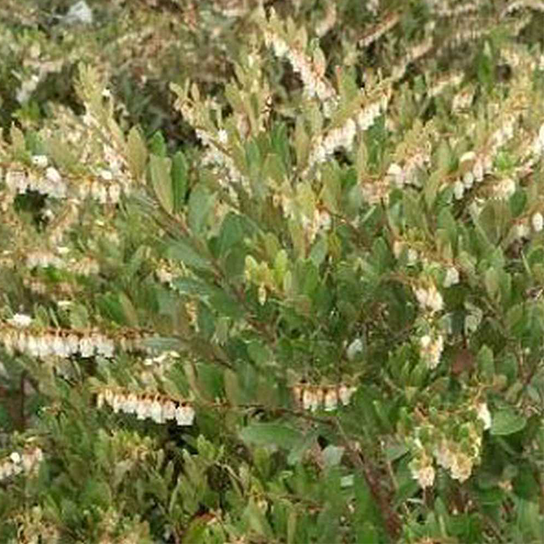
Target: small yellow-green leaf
x=162, y=182
x=137, y=153
x=18, y=143
x=491, y=280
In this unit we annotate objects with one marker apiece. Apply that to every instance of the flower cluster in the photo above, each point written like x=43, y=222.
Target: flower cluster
x=164, y=273
x=214, y=156
x=452, y=79
x=459, y=456
x=343, y=136
x=429, y=298
x=158, y=408
x=43, y=259
x=463, y=99
x=328, y=21
x=505, y=188
x=102, y=192
x=311, y=72
x=464, y=35
x=320, y=221
x=385, y=24
x=368, y=115
x=18, y=335
x=521, y=4
x=414, y=53
x=58, y=343
x=472, y=168
x=312, y=397
x=443, y=10
x=336, y=138
x=423, y=470
x=28, y=86
x=49, y=182
x=449, y=455
x=27, y=461
x=86, y=266
x=213, y=139
x=431, y=349
x=375, y=190
x=407, y=175
x=400, y=246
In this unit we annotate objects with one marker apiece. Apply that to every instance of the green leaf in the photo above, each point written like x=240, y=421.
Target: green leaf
x=274, y=168
x=181, y=250
x=232, y=232
x=161, y=181
x=18, y=143
x=302, y=143
x=506, y=422
x=491, y=280
x=431, y=188
x=303, y=444
x=414, y=214
x=195, y=533
x=225, y=304
x=332, y=455
x=192, y=286
x=200, y=204
x=368, y=533
x=443, y=157
x=257, y=521
x=180, y=170
x=485, y=362
x=157, y=145
x=395, y=451
x=271, y=434
x=162, y=344
x=525, y=484
x=232, y=387
x=259, y=353
x=137, y=153
x=447, y=222
x=319, y=251
x=129, y=311
x=221, y=301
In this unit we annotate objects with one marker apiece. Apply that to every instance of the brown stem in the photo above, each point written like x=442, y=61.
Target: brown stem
x=392, y=521
x=22, y=399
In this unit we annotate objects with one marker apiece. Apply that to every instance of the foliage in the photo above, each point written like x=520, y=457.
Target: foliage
x=272, y=272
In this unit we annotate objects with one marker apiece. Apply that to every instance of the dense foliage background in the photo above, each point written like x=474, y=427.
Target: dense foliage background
x=271, y=271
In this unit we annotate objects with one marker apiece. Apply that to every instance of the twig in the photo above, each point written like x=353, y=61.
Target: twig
x=391, y=518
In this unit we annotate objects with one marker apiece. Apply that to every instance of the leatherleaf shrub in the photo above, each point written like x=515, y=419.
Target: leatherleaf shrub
x=272, y=272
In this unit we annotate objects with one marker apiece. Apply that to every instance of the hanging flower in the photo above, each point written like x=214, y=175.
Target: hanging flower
x=429, y=298
x=461, y=467
x=20, y=320
x=431, y=350
x=452, y=277
x=423, y=471
x=484, y=415
x=537, y=221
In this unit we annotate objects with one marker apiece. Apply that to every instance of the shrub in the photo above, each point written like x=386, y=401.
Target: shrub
x=311, y=314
